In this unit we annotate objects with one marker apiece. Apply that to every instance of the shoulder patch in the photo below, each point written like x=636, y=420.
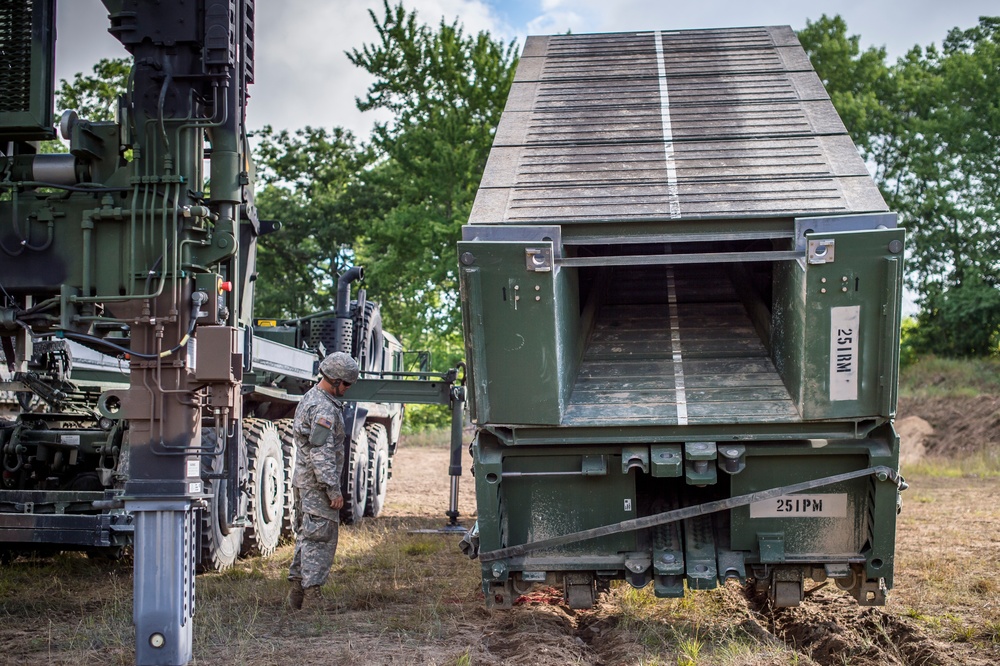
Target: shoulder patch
x=320, y=431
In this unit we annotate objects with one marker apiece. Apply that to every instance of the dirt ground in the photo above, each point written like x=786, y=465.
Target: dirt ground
x=398, y=596
x=945, y=608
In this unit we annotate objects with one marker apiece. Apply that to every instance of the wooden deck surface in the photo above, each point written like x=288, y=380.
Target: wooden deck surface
x=691, y=359
x=695, y=124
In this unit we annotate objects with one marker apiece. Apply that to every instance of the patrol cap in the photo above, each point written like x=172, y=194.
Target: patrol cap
x=339, y=365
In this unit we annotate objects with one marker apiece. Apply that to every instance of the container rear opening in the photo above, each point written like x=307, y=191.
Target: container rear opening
x=677, y=344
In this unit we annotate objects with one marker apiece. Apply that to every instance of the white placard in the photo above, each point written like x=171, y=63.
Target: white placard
x=193, y=468
x=845, y=328
x=831, y=505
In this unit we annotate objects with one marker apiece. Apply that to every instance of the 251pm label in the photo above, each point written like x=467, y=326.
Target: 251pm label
x=829, y=505
x=845, y=325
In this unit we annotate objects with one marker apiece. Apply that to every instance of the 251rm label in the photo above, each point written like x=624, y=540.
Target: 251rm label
x=829, y=505
x=845, y=323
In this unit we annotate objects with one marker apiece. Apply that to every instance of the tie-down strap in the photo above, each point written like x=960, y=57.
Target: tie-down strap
x=881, y=472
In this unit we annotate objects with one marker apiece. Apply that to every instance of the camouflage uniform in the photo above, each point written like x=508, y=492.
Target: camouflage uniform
x=319, y=448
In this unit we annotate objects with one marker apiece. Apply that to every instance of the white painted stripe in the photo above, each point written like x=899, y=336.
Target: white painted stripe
x=675, y=348
x=673, y=194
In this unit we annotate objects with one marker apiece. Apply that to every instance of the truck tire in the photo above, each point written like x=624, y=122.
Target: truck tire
x=284, y=427
x=354, y=485
x=220, y=543
x=378, y=468
x=370, y=340
x=266, y=484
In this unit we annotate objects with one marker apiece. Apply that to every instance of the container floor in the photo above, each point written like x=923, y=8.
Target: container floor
x=675, y=346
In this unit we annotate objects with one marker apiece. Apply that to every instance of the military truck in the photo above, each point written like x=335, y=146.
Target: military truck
x=153, y=407
x=681, y=301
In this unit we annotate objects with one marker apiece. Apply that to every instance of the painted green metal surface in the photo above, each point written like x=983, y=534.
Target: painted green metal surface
x=816, y=346
x=26, y=87
x=524, y=318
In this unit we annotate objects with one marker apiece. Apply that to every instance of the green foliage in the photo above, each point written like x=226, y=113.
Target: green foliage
x=856, y=81
x=961, y=322
x=426, y=418
x=907, y=354
x=95, y=98
x=395, y=205
x=934, y=376
x=311, y=181
x=445, y=91
x=945, y=185
x=930, y=128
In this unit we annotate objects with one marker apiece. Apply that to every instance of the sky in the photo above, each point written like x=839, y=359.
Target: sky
x=303, y=76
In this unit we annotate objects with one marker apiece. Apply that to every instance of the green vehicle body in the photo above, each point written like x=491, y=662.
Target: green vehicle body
x=681, y=299
x=153, y=407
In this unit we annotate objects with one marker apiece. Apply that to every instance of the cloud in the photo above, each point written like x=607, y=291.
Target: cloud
x=302, y=73
x=304, y=77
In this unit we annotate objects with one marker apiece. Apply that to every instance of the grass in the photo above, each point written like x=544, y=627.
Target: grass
x=407, y=587
x=932, y=377
x=981, y=464
x=991, y=632
x=413, y=598
x=435, y=438
x=398, y=594
x=698, y=628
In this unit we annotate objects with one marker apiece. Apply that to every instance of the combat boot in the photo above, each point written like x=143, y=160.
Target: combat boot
x=296, y=596
x=313, y=596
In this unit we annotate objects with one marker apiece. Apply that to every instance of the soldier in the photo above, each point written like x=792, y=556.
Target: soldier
x=319, y=447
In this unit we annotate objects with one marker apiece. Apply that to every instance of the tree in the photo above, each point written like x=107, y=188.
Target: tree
x=929, y=127
x=959, y=322
x=309, y=181
x=947, y=185
x=95, y=98
x=445, y=91
x=857, y=81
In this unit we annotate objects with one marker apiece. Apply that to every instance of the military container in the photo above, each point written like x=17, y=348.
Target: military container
x=681, y=300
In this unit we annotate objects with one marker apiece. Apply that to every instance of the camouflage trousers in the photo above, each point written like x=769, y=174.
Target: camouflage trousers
x=315, y=547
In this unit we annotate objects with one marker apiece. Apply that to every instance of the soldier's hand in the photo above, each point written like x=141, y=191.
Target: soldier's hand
x=337, y=502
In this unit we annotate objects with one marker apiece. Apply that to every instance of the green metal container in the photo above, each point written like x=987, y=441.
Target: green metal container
x=681, y=298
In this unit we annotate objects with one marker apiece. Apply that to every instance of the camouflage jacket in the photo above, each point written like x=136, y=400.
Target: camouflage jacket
x=319, y=448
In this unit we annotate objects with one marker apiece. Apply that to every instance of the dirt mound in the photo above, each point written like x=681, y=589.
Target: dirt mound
x=961, y=426
x=913, y=432
x=831, y=629
x=542, y=629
